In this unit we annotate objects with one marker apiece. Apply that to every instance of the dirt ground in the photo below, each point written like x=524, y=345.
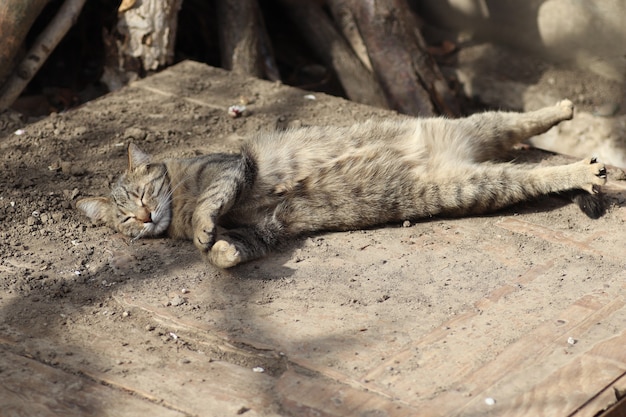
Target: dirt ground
x=88, y=302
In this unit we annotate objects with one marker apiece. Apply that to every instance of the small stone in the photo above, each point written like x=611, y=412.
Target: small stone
x=571, y=341
x=80, y=130
x=606, y=110
x=490, y=401
x=258, y=369
x=177, y=300
x=406, y=223
x=150, y=327
x=31, y=221
x=134, y=133
x=71, y=169
x=125, y=313
x=236, y=110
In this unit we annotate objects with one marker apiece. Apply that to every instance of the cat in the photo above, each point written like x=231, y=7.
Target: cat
x=239, y=207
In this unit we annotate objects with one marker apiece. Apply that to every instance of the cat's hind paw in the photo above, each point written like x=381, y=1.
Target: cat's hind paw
x=224, y=254
x=594, y=175
x=567, y=107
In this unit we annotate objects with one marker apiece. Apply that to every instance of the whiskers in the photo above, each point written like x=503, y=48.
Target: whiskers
x=162, y=213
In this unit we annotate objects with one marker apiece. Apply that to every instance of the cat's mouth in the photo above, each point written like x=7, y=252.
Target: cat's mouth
x=158, y=225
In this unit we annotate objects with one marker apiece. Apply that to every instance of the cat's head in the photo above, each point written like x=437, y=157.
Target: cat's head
x=140, y=200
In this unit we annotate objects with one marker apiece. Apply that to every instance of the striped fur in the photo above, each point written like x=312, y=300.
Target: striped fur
x=238, y=207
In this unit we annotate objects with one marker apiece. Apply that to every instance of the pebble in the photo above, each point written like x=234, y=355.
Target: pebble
x=490, y=401
x=177, y=300
x=70, y=169
x=80, y=130
x=236, y=110
x=606, y=110
x=134, y=133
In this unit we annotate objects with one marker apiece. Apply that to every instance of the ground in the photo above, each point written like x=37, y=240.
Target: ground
x=441, y=314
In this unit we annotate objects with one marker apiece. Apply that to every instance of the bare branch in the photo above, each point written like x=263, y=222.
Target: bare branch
x=359, y=84
x=16, y=18
x=41, y=49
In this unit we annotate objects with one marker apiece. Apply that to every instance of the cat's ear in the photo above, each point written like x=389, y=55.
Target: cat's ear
x=98, y=209
x=137, y=157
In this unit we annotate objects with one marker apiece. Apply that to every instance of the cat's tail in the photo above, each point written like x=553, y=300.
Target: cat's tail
x=593, y=205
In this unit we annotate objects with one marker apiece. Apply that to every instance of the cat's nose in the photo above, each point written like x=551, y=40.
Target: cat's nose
x=144, y=215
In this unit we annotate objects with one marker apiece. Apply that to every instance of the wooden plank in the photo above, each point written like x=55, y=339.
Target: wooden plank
x=191, y=382
x=461, y=371
x=469, y=386
x=522, y=367
x=565, y=391
x=30, y=388
x=306, y=396
x=617, y=410
x=552, y=236
x=200, y=387
x=612, y=400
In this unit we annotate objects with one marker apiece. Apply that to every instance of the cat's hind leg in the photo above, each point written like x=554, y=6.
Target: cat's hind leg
x=489, y=187
x=492, y=134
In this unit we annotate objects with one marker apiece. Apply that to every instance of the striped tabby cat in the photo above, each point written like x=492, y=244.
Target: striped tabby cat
x=238, y=207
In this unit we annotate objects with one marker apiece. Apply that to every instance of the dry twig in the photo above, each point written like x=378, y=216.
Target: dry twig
x=359, y=84
x=409, y=76
x=41, y=49
x=16, y=18
x=245, y=46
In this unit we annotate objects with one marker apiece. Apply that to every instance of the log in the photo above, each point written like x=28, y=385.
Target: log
x=244, y=44
x=148, y=32
x=16, y=18
x=142, y=41
x=319, y=32
x=346, y=21
x=39, y=52
x=409, y=76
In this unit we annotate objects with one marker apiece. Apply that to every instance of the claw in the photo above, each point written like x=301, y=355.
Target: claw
x=594, y=160
x=595, y=189
x=602, y=173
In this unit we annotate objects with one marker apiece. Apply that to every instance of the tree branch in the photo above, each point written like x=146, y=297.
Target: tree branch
x=41, y=49
x=359, y=84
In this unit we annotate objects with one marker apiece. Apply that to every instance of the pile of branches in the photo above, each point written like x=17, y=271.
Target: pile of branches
x=374, y=47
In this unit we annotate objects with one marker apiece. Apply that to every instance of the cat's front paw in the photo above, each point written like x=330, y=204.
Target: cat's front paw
x=592, y=175
x=224, y=254
x=204, y=235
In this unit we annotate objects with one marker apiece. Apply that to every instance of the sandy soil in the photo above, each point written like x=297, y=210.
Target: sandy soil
x=65, y=283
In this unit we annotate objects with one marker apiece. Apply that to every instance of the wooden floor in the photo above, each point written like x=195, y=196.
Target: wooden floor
x=571, y=363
